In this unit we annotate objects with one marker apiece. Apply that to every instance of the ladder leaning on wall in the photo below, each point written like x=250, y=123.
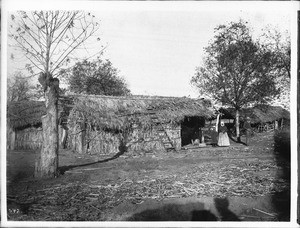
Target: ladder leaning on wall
x=161, y=132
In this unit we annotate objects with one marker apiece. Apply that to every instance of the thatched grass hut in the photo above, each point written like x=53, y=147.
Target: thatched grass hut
x=24, y=114
x=102, y=124
x=24, y=127
x=266, y=113
x=107, y=124
x=260, y=114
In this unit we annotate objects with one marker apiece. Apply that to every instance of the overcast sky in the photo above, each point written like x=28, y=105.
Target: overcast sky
x=157, y=52
x=157, y=49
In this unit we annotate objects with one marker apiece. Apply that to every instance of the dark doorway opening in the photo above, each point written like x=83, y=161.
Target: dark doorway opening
x=191, y=129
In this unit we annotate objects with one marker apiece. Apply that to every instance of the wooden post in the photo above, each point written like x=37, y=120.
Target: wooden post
x=63, y=137
x=238, y=126
x=82, y=136
x=11, y=138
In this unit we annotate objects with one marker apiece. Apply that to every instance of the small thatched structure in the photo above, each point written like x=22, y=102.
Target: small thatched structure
x=267, y=113
x=24, y=127
x=24, y=114
x=259, y=113
x=261, y=116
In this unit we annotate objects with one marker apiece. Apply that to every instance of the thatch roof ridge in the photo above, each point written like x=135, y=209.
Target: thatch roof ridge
x=128, y=97
x=168, y=109
x=105, y=109
x=140, y=99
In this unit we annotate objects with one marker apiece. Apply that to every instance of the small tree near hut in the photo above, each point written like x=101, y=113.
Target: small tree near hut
x=48, y=38
x=237, y=71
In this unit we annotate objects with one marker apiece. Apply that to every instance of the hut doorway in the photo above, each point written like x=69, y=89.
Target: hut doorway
x=190, y=129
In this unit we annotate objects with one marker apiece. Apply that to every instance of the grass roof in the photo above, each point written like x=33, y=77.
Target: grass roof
x=25, y=113
x=110, y=111
x=113, y=112
x=259, y=113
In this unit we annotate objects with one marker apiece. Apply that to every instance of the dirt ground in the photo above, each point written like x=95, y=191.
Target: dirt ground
x=236, y=183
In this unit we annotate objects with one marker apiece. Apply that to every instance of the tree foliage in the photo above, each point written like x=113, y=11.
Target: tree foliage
x=19, y=88
x=97, y=77
x=237, y=71
x=280, y=44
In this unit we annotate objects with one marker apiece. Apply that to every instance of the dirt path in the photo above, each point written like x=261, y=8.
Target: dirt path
x=235, y=183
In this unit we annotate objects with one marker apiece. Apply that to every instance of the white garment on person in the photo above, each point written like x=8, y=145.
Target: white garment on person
x=223, y=139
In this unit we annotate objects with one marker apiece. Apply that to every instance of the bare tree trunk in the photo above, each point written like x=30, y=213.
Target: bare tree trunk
x=237, y=125
x=47, y=163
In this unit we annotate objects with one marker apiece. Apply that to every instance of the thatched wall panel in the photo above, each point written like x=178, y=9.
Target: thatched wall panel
x=174, y=135
x=144, y=140
x=29, y=138
x=74, y=138
x=102, y=143
x=146, y=147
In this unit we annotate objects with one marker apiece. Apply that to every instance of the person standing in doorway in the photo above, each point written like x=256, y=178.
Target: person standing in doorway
x=223, y=136
x=248, y=129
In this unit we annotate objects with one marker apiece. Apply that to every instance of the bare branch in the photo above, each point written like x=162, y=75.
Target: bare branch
x=65, y=54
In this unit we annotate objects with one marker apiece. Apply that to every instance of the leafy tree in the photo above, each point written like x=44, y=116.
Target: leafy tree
x=98, y=77
x=237, y=71
x=280, y=45
x=49, y=39
x=19, y=88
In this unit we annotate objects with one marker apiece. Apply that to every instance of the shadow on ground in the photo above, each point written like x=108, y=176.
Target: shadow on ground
x=63, y=169
x=234, y=140
x=187, y=212
x=282, y=151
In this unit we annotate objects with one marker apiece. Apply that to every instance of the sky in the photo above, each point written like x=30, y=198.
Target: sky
x=157, y=49
x=158, y=52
